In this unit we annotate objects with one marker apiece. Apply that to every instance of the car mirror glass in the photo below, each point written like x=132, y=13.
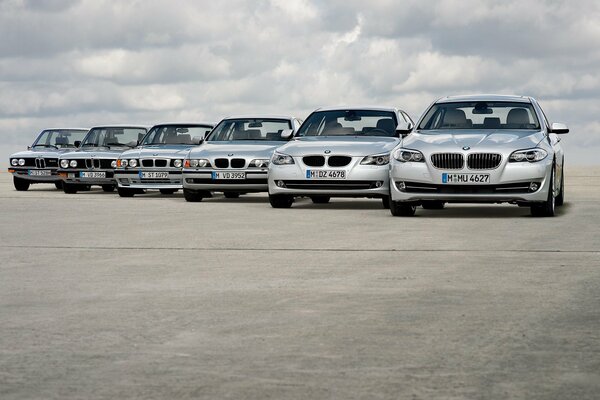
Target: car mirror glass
x=287, y=134
x=559, y=128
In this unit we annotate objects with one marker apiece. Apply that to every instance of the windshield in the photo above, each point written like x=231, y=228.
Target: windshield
x=60, y=138
x=350, y=123
x=480, y=115
x=176, y=134
x=249, y=129
x=114, y=136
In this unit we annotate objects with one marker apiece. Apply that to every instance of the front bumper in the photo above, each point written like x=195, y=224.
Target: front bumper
x=132, y=178
x=74, y=176
x=360, y=181
x=202, y=179
x=510, y=182
x=26, y=173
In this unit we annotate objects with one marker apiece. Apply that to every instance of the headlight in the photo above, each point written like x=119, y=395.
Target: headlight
x=113, y=164
x=406, y=155
x=73, y=163
x=260, y=163
x=529, y=155
x=64, y=163
x=21, y=162
x=177, y=163
x=281, y=159
x=122, y=163
x=192, y=163
x=14, y=162
x=133, y=163
x=376, y=159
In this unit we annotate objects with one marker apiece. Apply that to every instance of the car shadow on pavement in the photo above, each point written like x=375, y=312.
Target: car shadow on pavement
x=466, y=211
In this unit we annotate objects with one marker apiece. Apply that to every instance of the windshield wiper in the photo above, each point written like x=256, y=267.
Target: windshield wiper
x=120, y=144
x=45, y=145
x=95, y=145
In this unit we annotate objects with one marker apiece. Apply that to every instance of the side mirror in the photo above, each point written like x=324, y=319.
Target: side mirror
x=404, y=128
x=77, y=143
x=287, y=134
x=197, y=140
x=28, y=147
x=559, y=128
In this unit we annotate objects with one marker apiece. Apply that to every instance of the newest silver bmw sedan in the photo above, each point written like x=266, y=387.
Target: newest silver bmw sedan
x=484, y=149
x=338, y=152
x=235, y=156
x=156, y=164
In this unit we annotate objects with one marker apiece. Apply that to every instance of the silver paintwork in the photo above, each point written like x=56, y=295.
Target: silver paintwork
x=248, y=150
x=501, y=141
x=356, y=147
x=131, y=177
x=41, y=153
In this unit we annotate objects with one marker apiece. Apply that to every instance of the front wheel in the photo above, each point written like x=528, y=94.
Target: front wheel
x=58, y=185
x=108, y=188
x=320, y=199
x=231, y=195
x=125, y=192
x=385, y=202
x=20, y=184
x=194, y=196
x=168, y=191
x=69, y=188
x=560, y=199
x=433, y=205
x=281, y=200
x=402, y=209
x=546, y=209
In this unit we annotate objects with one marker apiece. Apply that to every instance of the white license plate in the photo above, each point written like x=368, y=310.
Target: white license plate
x=154, y=175
x=40, y=172
x=325, y=174
x=92, y=174
x=466, y=179
x=228, y=175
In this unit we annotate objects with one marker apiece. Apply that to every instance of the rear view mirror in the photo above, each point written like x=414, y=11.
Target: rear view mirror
x=197, y=140
x=287, y=134
x=255, y=124
x=404, y=128
x=559, y=128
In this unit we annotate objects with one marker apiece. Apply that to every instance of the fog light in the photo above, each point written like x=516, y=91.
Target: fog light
x=280, y=184
x=533, y=186
x=401, y=185
x=378, y=184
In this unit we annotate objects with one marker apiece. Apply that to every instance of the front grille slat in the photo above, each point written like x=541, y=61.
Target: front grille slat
x=447, y=160
x=238, y=163
x=314, y=161
x=339, y=161
x=221, y=163
x=148, y=163
x=484, y=161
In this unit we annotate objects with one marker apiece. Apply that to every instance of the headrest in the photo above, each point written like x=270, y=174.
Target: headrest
x=454, y=118
x=62, y=140
x=491, y=123
x=171, y=139
x=254, y=134
x=185, y=139
x=518, y=116
x=386, y=124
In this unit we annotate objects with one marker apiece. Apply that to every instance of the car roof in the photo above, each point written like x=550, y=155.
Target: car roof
x=121, y=126
x=485, y=97
x=185, y=123
x=65, y=129
x=260, y=116
x=370, y=108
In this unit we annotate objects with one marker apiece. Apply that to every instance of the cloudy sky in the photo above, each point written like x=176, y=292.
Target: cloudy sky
x=86, y=62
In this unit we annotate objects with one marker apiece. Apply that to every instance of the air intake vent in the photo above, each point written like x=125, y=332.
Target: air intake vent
x=483, y=160
x=448, y=160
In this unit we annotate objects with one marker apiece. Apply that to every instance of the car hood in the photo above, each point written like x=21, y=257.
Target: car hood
x=41, y=152
x=239, y=148
x=351, y=146
x=155, y=151
x=95, y=152
x=475, y=140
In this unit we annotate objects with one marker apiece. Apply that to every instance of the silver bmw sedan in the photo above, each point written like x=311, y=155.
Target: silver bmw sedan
x=480, y=149
x=338, y=152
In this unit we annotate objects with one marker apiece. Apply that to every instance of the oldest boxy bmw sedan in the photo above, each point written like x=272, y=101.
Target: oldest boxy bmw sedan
x=234, y=158
x=95, y=161
x=39, y=163
x=157, y=163
x=486, y=148
x=338, y=152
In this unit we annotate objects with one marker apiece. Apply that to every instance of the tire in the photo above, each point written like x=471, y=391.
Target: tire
x=125, y=192
x=168, y=191
x=560, y=199
x=320, y=199
x=402, y=209
x=69, y=188
x=58, y=185
x=433, y=205
x=231, y=195
x=108, y=188
x=20, y=184
x=281, y=200
x=546, y=209
x=385, y=202
x=194, y=196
